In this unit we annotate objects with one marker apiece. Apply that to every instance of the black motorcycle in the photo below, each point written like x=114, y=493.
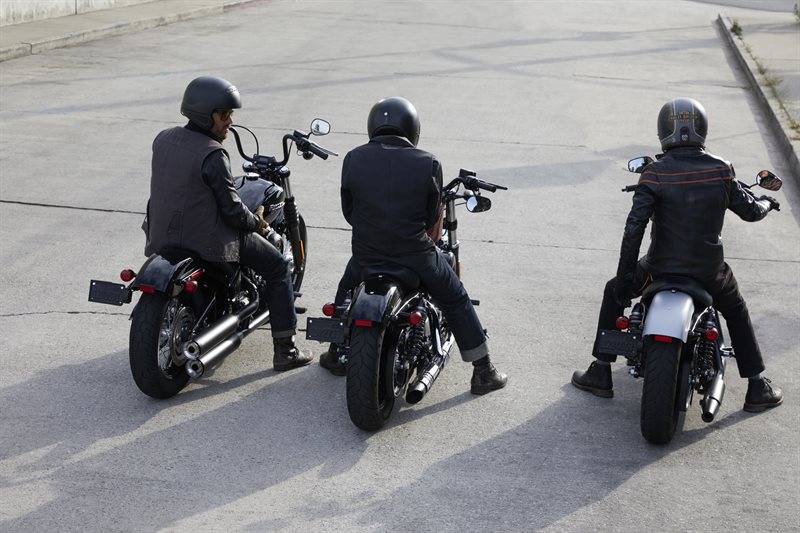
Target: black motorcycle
x=392, y=337
x=673, y=338
x=193, y=313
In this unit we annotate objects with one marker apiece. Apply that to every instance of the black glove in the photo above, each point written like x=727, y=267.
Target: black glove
x=262, y=227
x=774, y=205
x=623, y=290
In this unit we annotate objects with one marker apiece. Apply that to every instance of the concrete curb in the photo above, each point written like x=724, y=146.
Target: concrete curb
x=121, y=27
x=769, y=107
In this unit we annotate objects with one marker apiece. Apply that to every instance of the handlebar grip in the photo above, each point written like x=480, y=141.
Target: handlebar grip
x=630, y=188
x=317, y=151
x=475, y=183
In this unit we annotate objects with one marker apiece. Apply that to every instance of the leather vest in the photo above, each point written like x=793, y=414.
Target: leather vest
x=182, y=212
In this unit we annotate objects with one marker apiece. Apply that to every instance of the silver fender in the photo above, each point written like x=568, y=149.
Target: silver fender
x=669, y=314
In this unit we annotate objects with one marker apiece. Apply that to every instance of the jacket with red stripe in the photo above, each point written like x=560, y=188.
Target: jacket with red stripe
x=686, y=193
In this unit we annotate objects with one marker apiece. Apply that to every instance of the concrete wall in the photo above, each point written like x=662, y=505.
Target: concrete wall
x=16, y=11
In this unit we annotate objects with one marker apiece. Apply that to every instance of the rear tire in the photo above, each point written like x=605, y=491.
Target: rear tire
x=659, y=415
x=159, y=327
x=370, y=400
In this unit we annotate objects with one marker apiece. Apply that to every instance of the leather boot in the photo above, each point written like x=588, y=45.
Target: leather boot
x=287, y=355
x=485, y=377
x=597, y=380
x=330, y=361
x=761, y=395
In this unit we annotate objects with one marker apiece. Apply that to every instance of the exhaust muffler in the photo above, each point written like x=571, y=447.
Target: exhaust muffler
x=713, y=398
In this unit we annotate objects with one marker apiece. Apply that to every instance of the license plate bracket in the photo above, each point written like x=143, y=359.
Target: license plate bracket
x=325, y=330
x=612, y=342
x=106, y=292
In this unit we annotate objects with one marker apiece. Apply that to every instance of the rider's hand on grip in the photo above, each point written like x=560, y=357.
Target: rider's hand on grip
x=262, y=227
x=774, y=205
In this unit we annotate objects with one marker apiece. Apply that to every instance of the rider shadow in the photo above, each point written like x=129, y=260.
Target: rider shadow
x=86, y=431
x=572, y=454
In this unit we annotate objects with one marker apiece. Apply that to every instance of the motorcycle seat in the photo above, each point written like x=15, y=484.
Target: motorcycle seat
x=405, y=277
x=679, y=283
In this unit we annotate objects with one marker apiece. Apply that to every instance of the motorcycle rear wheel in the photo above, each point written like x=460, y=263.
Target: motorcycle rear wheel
x=370, y=398
x=159, y=328
x=659, y=413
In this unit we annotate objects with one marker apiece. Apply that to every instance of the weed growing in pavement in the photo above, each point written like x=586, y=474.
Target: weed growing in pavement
x=736, y=29
x=797, y=13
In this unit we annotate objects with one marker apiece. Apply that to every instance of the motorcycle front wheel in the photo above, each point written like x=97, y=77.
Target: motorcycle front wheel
x=370, y=397
x=159, y=328
x=659, y=414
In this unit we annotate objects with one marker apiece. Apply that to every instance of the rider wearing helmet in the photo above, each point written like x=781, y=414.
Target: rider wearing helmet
x=391, y=196
x=194, y=206
x=687, y=192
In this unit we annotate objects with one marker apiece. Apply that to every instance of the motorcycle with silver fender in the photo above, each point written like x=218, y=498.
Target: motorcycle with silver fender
x=392, y=336
x=193, y=313
x=673, y=339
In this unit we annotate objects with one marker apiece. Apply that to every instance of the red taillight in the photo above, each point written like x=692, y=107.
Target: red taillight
x=712, y=334
x=328, y=309
x=414, y=318
x=662, y=338
x=196, y=274
x=363, y=323
x=149, y=289
x=127, y=275
x=190, y=286
x=622, y=323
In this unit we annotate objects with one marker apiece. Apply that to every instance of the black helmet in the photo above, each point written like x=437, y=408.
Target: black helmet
x=682, y=122
x=394, y=116
x=206, y=94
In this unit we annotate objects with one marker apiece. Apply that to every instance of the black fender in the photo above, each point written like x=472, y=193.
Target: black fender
x=373, y=301
x=158, y=273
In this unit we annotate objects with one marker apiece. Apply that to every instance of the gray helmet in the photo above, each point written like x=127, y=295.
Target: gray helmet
x=682, y=122
x=206, y=94
x=394, y=116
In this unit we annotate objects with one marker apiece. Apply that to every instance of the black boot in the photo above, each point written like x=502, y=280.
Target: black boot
x=287, y=355
x=597, y=380
x=485, y=377
x=761, y=395
x=330, y=361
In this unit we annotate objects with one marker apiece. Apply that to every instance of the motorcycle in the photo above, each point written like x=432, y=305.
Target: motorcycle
x=193, y=313
x=392, y=337
x=673, y=338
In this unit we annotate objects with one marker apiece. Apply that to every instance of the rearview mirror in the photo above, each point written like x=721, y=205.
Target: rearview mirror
x=768, y=180
x=320, y=127
x=476, y=204
x=637, y=165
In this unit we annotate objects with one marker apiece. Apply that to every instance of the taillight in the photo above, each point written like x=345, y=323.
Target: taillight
x=328, y=309
x=149, y=289
x=127, y=275
x=662, y=338
x=712, y=334
x=622, y=323
x=414, y=318
x=190, y=286
x=363, y=323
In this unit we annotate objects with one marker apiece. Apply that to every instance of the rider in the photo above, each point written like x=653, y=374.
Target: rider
x=391, y=196
x=686, y=191
x=194, y=206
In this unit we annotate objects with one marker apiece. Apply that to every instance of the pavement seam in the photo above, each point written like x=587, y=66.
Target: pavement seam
x=782, y=137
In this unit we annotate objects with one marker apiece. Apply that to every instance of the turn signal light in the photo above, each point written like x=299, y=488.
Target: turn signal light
x=328, y=309
x=414, y=318
x=190, y=286
x=127, y=275
x=622, y=323
x=712, y=334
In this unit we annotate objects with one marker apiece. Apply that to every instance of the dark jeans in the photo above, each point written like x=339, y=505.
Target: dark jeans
x=727, y=300
x=441, y=282
x=256, y=253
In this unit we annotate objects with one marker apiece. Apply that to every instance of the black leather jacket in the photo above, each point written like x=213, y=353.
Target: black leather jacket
x=686, y=193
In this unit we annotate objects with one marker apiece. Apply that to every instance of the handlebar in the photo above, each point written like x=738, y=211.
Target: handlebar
x=468, y=179
x=304, y=145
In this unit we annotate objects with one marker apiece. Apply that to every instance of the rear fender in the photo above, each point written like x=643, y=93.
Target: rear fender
x=670, y=315
x=373, y=302
x=159, y=273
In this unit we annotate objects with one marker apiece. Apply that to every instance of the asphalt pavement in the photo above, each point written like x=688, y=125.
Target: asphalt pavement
x=549, y=98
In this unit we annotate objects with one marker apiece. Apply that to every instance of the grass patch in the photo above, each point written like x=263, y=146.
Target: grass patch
x=737, y=30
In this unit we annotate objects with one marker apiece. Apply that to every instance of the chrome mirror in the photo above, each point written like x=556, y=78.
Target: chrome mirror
x=637, y=165
x=320, y=127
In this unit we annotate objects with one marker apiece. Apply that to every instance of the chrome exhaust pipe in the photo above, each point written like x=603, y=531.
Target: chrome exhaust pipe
x=196, y=367
x=213, y=335
x=713, y=398
x=423, y=384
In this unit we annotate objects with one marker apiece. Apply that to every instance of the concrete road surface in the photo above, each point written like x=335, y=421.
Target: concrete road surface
x=550, y=98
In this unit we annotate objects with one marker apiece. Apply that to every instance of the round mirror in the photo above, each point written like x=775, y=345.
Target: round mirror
x=320, y=127
x=637, y=165
x=768, y=180
x=476, y=204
